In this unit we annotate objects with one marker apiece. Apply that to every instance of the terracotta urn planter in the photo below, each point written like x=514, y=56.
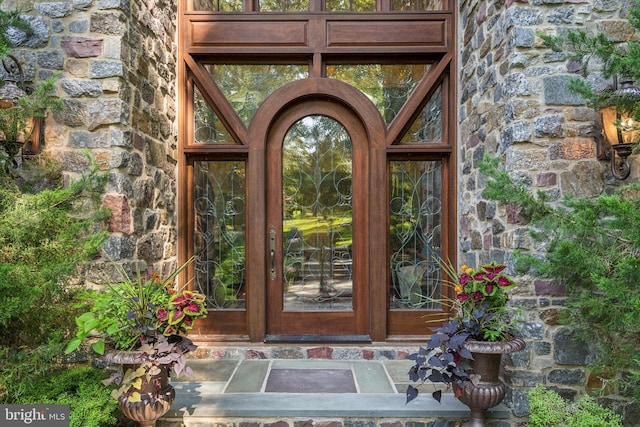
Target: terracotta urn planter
x=489, y=390
x=156, y=395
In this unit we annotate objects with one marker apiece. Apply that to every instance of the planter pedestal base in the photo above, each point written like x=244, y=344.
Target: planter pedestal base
x=150, y=408
x=489, y=390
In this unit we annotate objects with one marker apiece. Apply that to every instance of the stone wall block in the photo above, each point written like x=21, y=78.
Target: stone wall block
x=101, y=69
x=73, y=114
x=114, y=158
x=571, y=377
x=54, y=9
x=546, y=179
x=549, y=288
x=74, y=161
x=522, y=16
x=573, y=149
x=77, y=88
x=120, y=219
x=568, y=349
x=556, y=91
x=82, y=4
x=38, y=39
x=143, y=189
x=136, y=165
x=84, y=139
x=120, y=184
x=113, y=4
x=51, y=59
x=549, y=126
x=120, y=138
x=106, y=112
x=561, y=15
x=114, y=23
x=118, y=247
x=151, y=247
x=81, y=47
x=79, y=26
x=583, y=180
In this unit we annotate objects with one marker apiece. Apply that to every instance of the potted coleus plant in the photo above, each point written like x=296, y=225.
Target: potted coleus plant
x=142, y=323
x=465, y=352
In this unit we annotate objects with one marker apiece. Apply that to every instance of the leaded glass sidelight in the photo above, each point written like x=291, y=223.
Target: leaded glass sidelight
x=387, y=86
x=317, y=216
x=415, y=234
x=247, y=86
x=219, y=232
x=427, y=127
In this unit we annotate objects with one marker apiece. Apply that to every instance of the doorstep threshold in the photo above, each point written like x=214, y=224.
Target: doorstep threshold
x=194, y=400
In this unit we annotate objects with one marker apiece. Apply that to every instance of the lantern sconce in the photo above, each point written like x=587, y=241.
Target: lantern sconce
x=619, y=130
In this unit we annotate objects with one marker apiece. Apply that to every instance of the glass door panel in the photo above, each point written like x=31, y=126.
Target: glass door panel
x=317, y=216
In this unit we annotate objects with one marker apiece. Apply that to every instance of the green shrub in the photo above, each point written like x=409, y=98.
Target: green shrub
x=44, y=236
x=592, y=248
x=81, y=388
x=548, y=409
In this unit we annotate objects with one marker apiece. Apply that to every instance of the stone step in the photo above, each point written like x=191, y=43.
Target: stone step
x=241, y=392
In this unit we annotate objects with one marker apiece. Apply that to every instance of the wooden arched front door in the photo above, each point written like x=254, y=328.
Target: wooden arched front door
x=318, y=136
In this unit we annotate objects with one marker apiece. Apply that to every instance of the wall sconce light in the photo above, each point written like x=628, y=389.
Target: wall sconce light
x=620, y=130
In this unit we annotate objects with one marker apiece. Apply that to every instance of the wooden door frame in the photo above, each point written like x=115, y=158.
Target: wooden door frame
x=313, y=37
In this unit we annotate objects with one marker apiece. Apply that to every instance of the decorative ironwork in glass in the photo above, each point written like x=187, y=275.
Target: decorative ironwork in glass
x=317, y=216
x=207, y=127
x=219, y=235
x=217, y=5
x=247, y=86
x=416, y=219
x=417, y=5
x=351, y=5
x=427, y=127
x=387, y=86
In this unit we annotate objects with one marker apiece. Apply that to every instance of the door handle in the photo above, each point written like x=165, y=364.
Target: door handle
x=272, y=244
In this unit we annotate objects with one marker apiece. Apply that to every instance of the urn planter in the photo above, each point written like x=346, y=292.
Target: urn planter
x=156, y=395
x=487, y=390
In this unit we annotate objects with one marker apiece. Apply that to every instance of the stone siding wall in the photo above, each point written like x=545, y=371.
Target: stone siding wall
x=117, y=65
x=514, y=103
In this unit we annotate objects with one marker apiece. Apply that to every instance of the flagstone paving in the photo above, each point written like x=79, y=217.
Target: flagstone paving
x=296, y=392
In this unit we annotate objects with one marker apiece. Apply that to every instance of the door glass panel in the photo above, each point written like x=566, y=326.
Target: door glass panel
x=219, y=234
x=218, y=5
x=247, y=86
x=317, y=215
x=416, y=219
x=207, y=127
x=351, y=5
x=427, y=127
x=284, y=5
x=387, y=86
x=417, y=5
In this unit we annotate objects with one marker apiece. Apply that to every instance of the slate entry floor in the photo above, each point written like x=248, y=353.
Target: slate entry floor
x=276, y=389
